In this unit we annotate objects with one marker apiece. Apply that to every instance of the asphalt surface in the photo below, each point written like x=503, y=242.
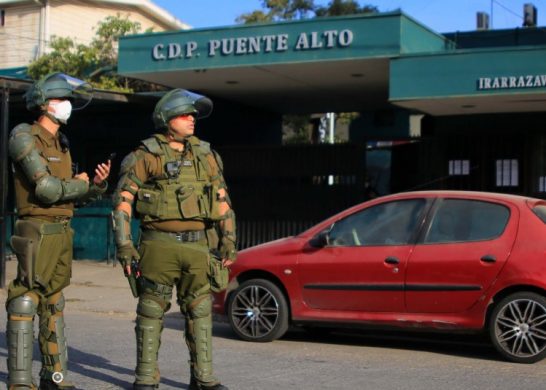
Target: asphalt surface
x=100, y=321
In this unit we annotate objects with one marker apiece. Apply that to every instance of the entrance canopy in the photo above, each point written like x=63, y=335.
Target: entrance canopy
x=471, y=81
x=315, y=65
x=349, y=63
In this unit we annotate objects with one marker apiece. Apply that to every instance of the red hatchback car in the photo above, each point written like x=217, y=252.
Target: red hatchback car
x=442, y=260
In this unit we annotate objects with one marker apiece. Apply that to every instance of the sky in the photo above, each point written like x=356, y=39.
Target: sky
x=439, y=15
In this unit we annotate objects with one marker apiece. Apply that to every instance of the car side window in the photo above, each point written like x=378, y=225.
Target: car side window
x=391, y=223
x=460, y=220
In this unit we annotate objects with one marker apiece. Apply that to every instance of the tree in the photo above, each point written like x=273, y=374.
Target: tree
x=344, y=7
x=277, y=10
x=96, y=62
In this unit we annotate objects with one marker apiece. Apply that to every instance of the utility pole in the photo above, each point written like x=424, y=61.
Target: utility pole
x=330, y=118
x=492, y=1
x=4, y=109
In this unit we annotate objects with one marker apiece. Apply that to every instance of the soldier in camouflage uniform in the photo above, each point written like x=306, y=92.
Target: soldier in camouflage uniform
x=45, y=190
x=176, y=184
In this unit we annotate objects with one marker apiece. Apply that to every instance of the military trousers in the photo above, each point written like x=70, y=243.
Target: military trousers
x=44, y=255
x=168, y=264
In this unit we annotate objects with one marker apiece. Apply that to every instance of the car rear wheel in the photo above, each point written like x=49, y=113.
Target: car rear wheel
x=257, y=311
x=518, y=327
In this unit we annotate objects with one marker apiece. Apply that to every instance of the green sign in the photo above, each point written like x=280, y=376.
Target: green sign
x=469, y=73
x=312, y=40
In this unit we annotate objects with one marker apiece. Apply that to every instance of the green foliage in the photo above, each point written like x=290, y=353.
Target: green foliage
x=296, y=129
x=276, y=10
x=344, y=7
x=107, y=37
x=346, y=117
x=65, y=56
x=96, y=62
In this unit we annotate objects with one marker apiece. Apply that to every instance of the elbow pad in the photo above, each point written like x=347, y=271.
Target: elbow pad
x=50, y=189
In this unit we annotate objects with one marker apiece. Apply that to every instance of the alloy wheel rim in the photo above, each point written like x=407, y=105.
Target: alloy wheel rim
x=520, y=328
x=255, y=311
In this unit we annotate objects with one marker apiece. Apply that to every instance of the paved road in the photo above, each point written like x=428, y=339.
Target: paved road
x=100, y=333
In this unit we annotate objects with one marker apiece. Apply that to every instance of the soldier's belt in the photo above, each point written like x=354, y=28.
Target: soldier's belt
x=46, y=227
x=187, y=236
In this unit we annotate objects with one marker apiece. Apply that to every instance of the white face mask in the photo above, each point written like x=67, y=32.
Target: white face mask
x=61, y=110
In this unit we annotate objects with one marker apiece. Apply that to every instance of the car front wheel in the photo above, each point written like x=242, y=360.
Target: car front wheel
x=518, y=327
x=257, y=311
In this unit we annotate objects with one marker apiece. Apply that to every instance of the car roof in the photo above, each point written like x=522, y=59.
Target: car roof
x=462, y=194
x=518, y=200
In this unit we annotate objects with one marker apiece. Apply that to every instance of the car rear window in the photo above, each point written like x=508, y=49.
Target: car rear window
x=540, y=211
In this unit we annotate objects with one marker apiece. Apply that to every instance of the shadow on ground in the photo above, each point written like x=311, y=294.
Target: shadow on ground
x=475, y=346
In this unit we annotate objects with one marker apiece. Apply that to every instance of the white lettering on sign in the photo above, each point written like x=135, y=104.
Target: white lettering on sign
x=512, y=82
x=173, y=51
x=241, y=46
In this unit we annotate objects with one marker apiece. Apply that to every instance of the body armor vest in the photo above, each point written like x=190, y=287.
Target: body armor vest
x=184, y=191
x=59, y=164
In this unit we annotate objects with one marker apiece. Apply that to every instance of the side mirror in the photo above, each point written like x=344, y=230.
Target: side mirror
x=320, y=240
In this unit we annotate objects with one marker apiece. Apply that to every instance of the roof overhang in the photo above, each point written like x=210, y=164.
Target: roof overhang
x=314, y=65
x=471, y=81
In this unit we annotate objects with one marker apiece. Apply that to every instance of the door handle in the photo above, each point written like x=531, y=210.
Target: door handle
x=488, y=259
x=392, y=260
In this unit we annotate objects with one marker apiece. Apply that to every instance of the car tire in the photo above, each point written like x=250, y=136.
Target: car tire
x=257, y=311
x=517, y=327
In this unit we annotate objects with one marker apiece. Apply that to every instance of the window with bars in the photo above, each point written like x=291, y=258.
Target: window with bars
x=542, y=184
x=507, y=173
x=459, y=167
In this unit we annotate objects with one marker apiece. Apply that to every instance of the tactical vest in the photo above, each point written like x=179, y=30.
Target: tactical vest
x=59, y=164
x=184, y=190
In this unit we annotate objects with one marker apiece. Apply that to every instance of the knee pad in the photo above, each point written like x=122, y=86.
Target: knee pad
x=56, y=303
x=23, y=306
x=200, y=307
x=150, y=308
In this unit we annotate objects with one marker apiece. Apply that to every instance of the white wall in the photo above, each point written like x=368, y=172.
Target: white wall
x=19, y=37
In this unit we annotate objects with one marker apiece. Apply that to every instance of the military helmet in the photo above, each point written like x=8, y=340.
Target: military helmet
x=180, y=102
x=59, y=86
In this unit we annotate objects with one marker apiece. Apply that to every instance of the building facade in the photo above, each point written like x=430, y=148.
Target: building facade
x=26, y=26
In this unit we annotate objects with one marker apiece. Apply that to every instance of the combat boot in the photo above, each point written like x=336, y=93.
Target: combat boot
x=138, y=386
x=48, y=384
x=195, y=385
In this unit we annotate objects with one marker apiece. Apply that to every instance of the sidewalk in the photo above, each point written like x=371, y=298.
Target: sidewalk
x=95, y=287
